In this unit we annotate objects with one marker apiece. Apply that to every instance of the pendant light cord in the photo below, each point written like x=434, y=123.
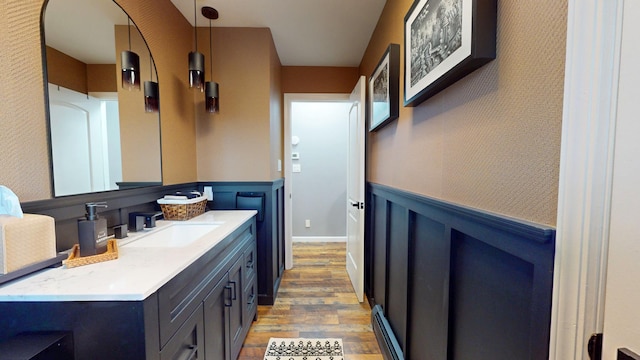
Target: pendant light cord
x=210, y=52
x=195, y=24
x=129, y=29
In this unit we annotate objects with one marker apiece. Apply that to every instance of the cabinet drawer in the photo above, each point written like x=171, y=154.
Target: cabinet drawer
x=249, y=261
x=188, y=341
x=250, y=299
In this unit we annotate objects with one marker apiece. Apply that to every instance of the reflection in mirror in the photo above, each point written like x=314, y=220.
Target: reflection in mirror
x=101, y=137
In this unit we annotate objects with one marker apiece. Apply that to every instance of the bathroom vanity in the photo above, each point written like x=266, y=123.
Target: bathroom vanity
x=182, y=290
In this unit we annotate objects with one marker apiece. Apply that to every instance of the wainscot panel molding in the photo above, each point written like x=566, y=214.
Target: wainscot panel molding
x=456, y=282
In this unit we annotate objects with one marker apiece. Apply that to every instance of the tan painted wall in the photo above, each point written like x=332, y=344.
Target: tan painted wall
x=235, y=144
x=24, y=162
x=65, y=71
x=316, y=79
x=102, y=77
x=24, y=159
x=73, y=74
x=491, y=140
x=139, y=130
x=276, y=115
x=169, y=37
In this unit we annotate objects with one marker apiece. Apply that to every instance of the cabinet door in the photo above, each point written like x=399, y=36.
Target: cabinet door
x=187, y=342
x=237, y=322
x=216, y=315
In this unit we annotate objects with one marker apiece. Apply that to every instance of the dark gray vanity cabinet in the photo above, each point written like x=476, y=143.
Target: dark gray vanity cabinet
x=212, y=293
x=267, y=197
x=216, y=314
x=187, y=343
x=230, y=308
x=204, y=312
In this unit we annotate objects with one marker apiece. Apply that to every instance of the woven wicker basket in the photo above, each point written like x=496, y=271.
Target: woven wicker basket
x=183, y=211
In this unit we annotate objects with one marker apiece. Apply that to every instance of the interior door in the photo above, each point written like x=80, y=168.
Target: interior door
x=622, y=295
x=355, y=190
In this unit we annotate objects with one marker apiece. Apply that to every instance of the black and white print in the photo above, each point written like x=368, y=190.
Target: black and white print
x=435, y=34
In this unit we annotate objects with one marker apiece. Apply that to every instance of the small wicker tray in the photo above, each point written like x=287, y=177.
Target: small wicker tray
x=183, y=211
x=75, y=259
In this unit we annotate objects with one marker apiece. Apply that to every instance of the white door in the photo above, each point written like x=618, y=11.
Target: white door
x=597, y=245
x=71, y=149
x=355, y=190
x=622, y=295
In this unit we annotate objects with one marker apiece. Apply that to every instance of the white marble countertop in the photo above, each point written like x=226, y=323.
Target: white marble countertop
x=137, y=273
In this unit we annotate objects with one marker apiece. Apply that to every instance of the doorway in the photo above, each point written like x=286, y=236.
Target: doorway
x=315, y=152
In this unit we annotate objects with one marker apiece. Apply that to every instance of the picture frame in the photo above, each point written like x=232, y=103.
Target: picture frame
x=384, y=89
x=444, y=41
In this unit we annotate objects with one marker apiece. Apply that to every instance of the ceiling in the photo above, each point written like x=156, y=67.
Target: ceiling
x=305, y=32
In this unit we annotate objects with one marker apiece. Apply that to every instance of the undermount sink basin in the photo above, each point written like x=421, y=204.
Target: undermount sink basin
x=175, y=235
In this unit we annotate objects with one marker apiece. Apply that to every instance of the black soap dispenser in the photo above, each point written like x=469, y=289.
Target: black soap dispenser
x=92, y=231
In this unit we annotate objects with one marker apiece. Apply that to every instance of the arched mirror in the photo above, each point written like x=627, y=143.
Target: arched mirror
x=101, y=136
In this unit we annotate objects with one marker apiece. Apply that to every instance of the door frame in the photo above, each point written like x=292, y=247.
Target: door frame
x=290, y=98
x=586, y=168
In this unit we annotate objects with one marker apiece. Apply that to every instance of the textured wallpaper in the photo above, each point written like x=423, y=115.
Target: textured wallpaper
x=492, y=140
x=24, y=159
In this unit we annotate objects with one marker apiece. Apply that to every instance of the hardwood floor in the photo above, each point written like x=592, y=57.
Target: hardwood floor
x=315, y=300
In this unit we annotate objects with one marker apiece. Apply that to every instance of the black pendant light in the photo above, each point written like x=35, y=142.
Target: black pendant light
x=212, y=103
x=130, y=66
x=196, y=59
x=151, y=91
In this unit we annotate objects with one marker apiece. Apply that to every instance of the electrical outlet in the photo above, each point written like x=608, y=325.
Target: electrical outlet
x=208, y=192
x=307, y=223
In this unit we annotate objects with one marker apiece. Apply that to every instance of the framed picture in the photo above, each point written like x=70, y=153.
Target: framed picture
x=384, y=89
x=445, y=40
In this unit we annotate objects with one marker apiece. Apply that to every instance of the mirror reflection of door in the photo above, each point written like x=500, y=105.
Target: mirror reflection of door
x=85, y=142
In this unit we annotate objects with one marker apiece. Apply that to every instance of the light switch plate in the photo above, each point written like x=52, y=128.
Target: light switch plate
x=296, y=168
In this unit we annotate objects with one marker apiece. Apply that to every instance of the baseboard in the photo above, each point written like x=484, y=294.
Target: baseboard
x=384, y=334
x=319, y=238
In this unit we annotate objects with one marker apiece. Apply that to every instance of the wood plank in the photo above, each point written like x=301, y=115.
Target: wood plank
x=315, y=300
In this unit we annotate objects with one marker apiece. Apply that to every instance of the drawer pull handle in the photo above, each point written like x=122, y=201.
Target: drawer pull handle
x=234, y=290
x=228, y=288
x=250, y=264
x=193, y=354
x=252, y=299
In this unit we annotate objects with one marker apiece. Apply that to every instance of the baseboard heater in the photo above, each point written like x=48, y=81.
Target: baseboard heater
x=386, y=339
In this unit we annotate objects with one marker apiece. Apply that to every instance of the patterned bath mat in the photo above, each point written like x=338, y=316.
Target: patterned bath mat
x=304, y=349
